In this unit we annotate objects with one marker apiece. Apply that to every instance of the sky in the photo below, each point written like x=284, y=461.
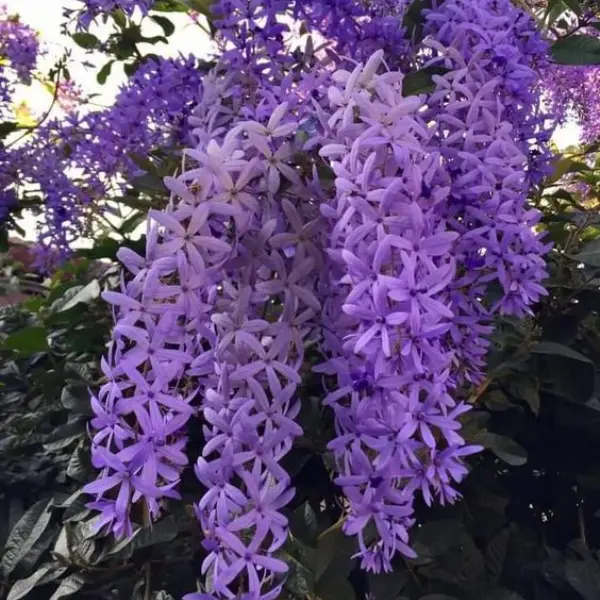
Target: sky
x=46, y=17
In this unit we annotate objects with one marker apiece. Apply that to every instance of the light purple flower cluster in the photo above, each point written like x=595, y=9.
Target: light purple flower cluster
x=387, y=323
x=95, y=8
x=358, y=28
x=162, y=323
x=19, y=46
x=504, y=42
x=391, y=272
x=571, y=94
x=19, y=51
x=264, y=312
x=482, y=114
x=81, y=160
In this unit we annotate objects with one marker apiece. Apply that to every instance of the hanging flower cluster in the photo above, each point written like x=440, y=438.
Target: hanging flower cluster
x=79, y=161
x=324, y=206
x=19, y=50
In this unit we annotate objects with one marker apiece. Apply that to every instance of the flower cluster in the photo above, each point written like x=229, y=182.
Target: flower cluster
x=94, y=8
x=483, y=112
x=571, y=92
x=19, y=50
x=504, y=42
x=358, y=28
x=321, y=205
x=78, y=161
x=265, y=312
x=387, y=326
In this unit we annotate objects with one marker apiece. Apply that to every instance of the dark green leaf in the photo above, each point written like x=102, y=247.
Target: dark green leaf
x=201, y=6
x=154, y=40
x=119, y=17
x=69, y=586
x=169, y=6
x=166, y=24
x=104, y=72
x=6, y=128
x=589, y=255
x=496, y=400
x=79, y=464
x=438, y=597
x=104, y=248
x=501, y=594
x=76, y=398
x=559, y=350
x=25, y=534
x=387, y=586
x=504, y=448
x=164, y=531
x=438, y=537
x=300, y=581
x=526, y=389
x=413, y=19
x=577, y=50
x=495, y=554
x=330, y=544
x=132, y=223
x=86, y=40
x=420, y=82
x=86, y=294
x=27, y=341
x=45, y=574
x=29, y=561
x=584, y=577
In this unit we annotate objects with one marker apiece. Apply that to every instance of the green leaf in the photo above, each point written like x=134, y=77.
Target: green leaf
x=584, y=577
x=501, y=594
x=300, y=581
x=413, y=19
x=169, y=6
x=438, y=597
x=577, y=50
x=86, y=40
x=497, y=400
x=387, y=586
x=27, y=341
x=495, y=554
x=554, y=10
x=131, y=68
x=104, y=72
x=589, y=255
x=86, y=294
x=79, y=464
x=201, y=6
x=438, y=537
x=45, y=574
x=330, y=543
x=504, y=448
x=69, y=586
x=104, y=248
x=166, y=24
x=76, y=398
x=421, y=82
x=119, y=17
x=556, y=349
x=7, y=127
x=164, y=531
x=25, y=534
x=526, y=389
